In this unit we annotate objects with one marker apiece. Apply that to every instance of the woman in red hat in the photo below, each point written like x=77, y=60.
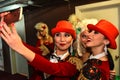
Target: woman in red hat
x=98, y=66
x=58, y=67
x=86, y=51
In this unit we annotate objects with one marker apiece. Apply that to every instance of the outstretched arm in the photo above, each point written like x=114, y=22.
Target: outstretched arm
x=11, y=37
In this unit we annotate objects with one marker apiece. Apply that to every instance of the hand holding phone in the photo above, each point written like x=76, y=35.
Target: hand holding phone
x=11, y=16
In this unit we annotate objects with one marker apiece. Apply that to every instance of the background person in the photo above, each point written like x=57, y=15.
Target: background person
x=45, y=40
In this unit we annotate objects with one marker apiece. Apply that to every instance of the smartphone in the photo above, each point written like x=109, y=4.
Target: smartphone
x=13, y=15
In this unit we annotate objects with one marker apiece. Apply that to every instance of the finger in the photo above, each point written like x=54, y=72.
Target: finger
x=3, y=14
x=14, y=31
x=3, y=37
x=5, y=31
x=2, y=19
x=6, y=28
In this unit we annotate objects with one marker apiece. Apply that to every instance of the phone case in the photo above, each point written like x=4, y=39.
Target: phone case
x=14, y=15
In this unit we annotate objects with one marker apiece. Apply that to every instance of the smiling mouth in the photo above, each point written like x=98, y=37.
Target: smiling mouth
x=62, y=44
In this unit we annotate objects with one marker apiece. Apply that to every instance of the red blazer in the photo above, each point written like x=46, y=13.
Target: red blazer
x=60, y=71
x=105, y=70
x=96, y=68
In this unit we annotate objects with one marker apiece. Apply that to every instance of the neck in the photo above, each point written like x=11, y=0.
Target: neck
x=61, y=52
x=96, y=51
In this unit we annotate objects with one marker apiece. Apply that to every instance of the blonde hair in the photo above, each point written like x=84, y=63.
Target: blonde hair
x=39, y=26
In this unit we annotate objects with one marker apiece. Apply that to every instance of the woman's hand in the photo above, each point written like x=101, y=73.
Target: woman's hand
x=3, y=14
x=10, y=35
x=112, y=74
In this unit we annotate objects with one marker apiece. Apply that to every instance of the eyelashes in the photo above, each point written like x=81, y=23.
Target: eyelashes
x=95, y=32
x=65, y=34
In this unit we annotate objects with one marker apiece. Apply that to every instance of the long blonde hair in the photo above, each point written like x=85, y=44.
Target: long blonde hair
x=42, y=26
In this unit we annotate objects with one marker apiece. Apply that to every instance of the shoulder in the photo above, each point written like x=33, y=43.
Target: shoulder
x=104, y=58
x=76, y=61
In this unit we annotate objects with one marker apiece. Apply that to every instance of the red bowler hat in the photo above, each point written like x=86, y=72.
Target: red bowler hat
x=64, y=26
x=107, y=29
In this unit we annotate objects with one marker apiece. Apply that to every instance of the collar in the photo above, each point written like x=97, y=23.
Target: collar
x=61, y=57
x=98, y=56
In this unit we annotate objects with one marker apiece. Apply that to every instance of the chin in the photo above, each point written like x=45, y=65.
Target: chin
x=63, y=49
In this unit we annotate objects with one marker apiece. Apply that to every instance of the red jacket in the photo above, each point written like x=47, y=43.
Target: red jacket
x=96, y=68
x=60, y=71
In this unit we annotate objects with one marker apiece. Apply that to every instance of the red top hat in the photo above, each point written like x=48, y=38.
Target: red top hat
x=64, y=26
x=107, y=29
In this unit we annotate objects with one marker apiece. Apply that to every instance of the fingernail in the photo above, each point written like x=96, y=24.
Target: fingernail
x=12, y=24
x=0, y=27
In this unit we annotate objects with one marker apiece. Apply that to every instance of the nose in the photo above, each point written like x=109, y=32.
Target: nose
x=62, y=38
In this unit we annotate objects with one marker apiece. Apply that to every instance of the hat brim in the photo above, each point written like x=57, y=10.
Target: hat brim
x=112, y=42
x=56, y=30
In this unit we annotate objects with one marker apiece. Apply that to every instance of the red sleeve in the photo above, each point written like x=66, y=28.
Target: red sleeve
x=38, y=43
x=104, y=67
x=58, y=69
x=34, y=49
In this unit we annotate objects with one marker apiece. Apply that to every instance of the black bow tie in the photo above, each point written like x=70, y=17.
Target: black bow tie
x=55, y=57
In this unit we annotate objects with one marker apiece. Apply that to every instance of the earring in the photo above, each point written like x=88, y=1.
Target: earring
x=105, y=48
x=54, y=48
x=71, y=50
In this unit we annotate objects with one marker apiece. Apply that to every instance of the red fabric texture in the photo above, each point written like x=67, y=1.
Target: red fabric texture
x=61, y=70
x=34, y=49
x=105, y=70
